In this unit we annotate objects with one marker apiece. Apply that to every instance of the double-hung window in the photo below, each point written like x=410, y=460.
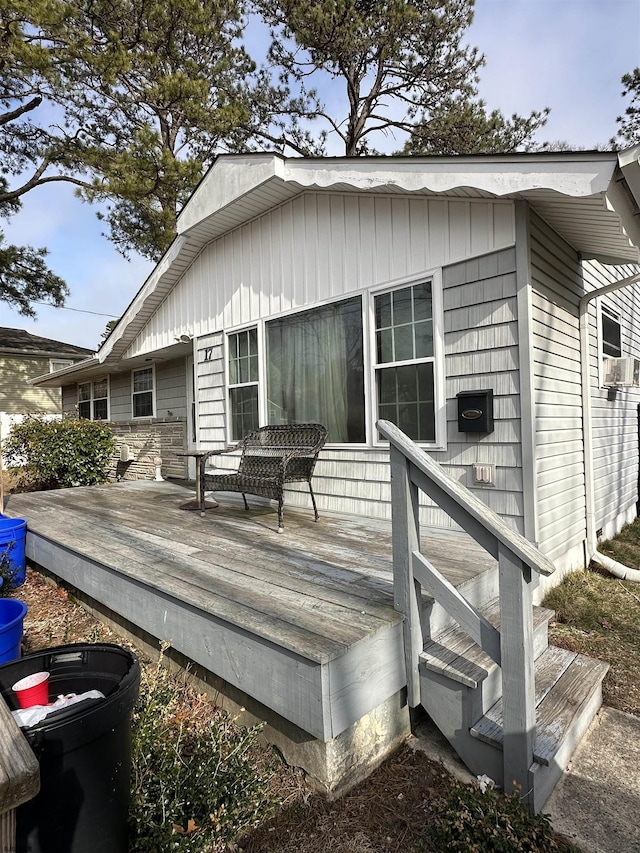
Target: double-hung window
x=143, y=393
x=404, y=361
x=243, y=382
x=611, y=333
x=93, y=400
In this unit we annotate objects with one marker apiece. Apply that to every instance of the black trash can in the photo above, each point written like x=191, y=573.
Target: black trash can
x=84, y=751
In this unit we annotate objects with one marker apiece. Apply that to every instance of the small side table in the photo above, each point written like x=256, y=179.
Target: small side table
x=199, y=502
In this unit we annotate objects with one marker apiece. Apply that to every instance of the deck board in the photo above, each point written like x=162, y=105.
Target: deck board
x=332, y=578
x=305, y=619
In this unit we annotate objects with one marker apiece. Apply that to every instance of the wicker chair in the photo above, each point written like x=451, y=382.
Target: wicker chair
x=270, y=457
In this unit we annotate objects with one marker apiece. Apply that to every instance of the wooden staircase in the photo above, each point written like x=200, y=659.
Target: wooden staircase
x=477, y=657
x=461, y=690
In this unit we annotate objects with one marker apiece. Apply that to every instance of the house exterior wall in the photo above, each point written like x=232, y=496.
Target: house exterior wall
x=559, y=280
x=556, y=289
x=145, y=443
x=614, y=417
x=16, y=396
x=351, y=244
x=147, y=438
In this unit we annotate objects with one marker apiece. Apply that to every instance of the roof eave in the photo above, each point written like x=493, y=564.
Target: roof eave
x=221, y=202
x=74, y=372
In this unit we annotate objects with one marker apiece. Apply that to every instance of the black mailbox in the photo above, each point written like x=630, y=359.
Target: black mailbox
x=475, y=411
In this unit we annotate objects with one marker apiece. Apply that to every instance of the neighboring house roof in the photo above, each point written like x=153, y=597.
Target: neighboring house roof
x=20, y=342
x=592, y=199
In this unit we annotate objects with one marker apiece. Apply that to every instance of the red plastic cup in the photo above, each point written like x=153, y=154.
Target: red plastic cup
x=32, y=690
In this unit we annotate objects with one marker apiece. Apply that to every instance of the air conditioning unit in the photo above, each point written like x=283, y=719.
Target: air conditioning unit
x=621, y=372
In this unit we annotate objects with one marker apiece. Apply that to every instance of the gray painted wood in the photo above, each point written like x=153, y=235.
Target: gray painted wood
x=565, y=683
x=471, y=620
x=19, y=776
x=460, y=503
x=312, y=609
x=19, y=768
x=518, y=684
x=406, y=540
x=456, y=656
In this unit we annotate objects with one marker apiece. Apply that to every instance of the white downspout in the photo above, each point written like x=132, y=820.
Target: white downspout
x=585, y=360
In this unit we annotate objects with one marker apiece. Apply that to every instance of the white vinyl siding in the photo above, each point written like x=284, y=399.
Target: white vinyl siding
x=481, y=351
x=615, y=417
x=480, y=334
x=319, y=247
x=559, y=460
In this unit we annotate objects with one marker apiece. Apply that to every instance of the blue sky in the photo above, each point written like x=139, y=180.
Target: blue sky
x=568, y=55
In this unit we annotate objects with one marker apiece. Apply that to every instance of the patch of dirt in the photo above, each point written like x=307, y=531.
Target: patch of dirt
x=54, y=618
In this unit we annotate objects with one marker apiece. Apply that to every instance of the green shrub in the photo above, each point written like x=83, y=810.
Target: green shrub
x=53, y=454
x=471, y=821
x=195, y=783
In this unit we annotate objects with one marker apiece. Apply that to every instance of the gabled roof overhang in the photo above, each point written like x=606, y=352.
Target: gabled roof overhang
x=592, y=199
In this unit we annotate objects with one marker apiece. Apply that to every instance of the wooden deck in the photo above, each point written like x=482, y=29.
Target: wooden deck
x=303, y=622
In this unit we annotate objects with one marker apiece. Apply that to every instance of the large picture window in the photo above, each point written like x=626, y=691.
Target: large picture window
x=243, y=382
x=315, y=369
x=405, y=360
x=93, y=400
x=142, y=393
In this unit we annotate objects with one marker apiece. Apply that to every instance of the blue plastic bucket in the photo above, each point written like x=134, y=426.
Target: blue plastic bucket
x=12, y=613
x=13, y=533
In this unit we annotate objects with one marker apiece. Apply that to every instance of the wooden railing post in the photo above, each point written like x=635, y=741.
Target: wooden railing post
x=406, y=590
x=518, y=683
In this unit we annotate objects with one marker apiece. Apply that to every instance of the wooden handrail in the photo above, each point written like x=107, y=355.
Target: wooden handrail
x=435, y=481
x=412, y=470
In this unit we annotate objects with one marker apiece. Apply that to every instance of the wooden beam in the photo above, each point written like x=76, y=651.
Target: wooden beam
x=468, y=618
x=518, y=681
x=405, y=538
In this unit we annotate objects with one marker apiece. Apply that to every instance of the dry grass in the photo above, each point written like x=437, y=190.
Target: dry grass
x=599, y=615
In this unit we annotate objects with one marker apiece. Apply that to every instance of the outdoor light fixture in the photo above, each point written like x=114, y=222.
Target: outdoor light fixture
x=185, y=339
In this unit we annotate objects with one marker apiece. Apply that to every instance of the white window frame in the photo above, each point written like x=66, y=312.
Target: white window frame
x=612, y=314
x=92, y=398
x=152, y=391
x=435, y=278
x=367, y=295
x=259, y=328
x=61, y=364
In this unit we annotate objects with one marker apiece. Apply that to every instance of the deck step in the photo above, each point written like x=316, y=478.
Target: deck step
x=453, y=654
x=567, y=685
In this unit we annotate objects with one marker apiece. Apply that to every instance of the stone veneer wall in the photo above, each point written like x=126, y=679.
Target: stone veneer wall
x=165, y=438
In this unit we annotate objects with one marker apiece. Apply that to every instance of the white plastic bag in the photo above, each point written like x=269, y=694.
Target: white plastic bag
x=26, y=717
